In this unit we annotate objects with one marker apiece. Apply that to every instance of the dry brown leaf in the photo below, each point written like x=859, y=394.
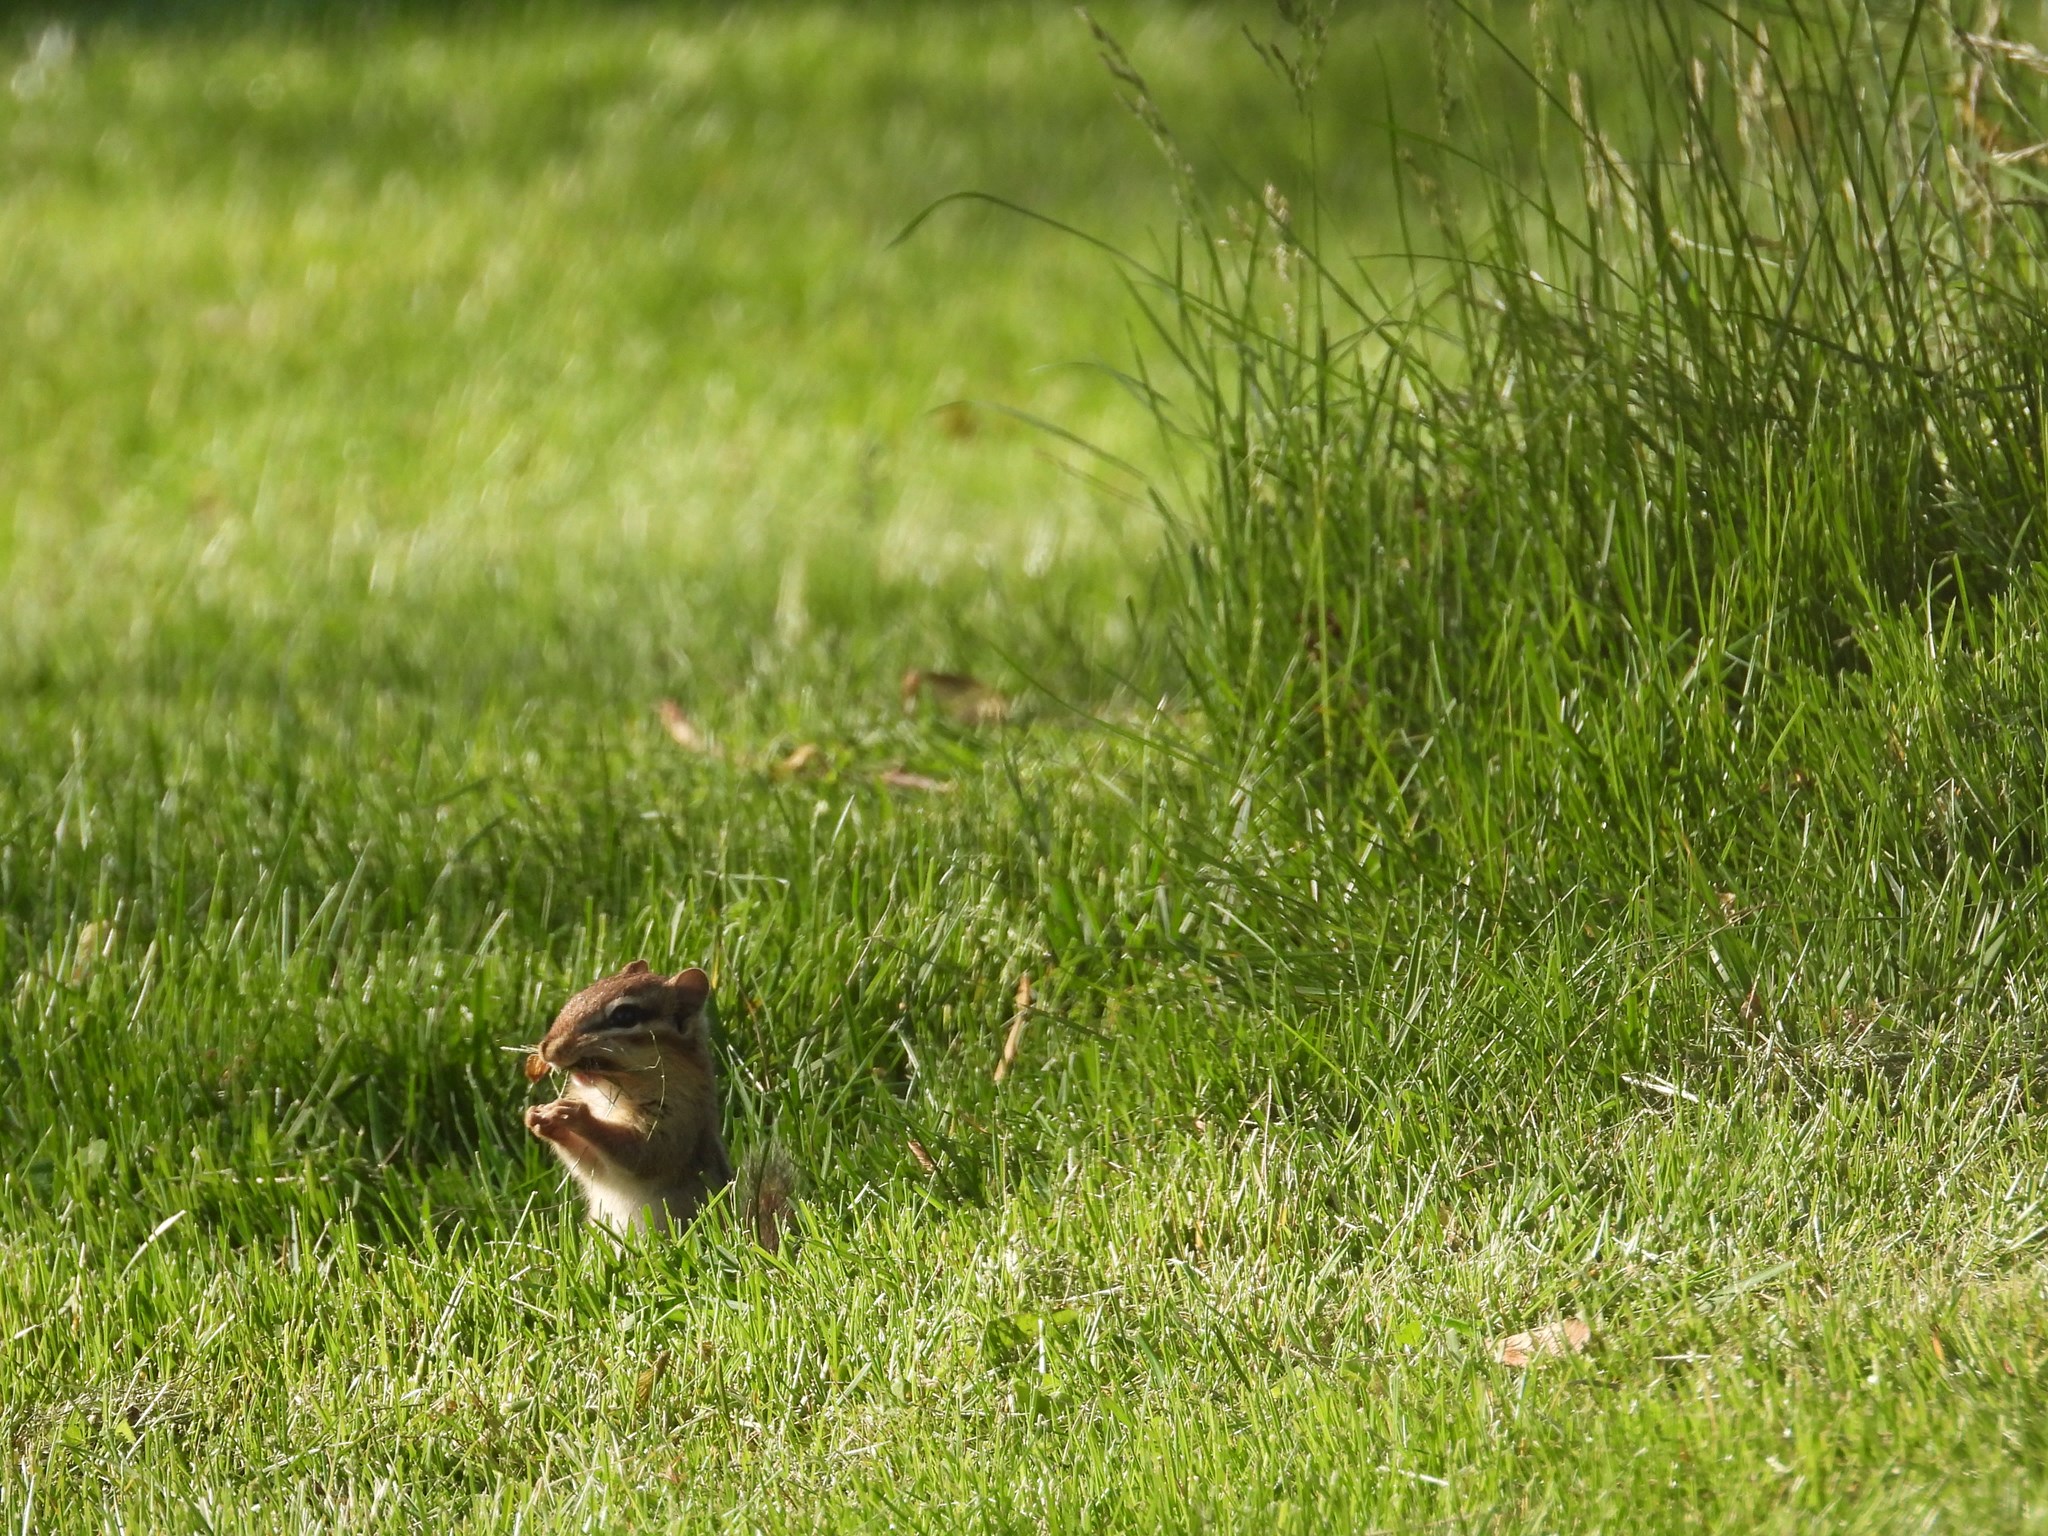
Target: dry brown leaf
x=1752, y=1006
x=924, y=1158
x=1016, y=1035
x=959, y=697
x=1568, y=1337
x=682, y=730
x=808, y=758
x=903, y=778
x=95, y=942
x=643, y=1389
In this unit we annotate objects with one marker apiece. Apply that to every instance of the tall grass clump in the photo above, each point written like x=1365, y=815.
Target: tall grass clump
x=1528, y=559
x=1764, y=361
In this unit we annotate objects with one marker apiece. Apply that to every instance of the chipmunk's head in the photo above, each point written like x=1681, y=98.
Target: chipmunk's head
x=629, y=1032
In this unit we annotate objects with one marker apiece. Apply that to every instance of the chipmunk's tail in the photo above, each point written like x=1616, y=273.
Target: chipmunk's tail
x=767, y=1190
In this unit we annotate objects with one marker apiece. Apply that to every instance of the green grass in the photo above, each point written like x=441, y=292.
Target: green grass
x=1553, y=828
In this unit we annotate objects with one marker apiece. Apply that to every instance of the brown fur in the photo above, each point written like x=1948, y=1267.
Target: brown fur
x=638, y=1124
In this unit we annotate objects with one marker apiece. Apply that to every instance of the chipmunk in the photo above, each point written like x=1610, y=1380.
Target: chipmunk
x=638, y=1123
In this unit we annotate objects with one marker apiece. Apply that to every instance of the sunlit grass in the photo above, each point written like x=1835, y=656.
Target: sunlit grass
x=1431, y=934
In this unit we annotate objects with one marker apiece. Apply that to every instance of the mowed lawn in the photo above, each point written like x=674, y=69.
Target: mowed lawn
x=398, y=408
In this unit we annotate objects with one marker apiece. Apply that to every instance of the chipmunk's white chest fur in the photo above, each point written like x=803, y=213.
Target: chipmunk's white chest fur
x=622, y=1207
x=602, y=1099
x=617, y=1200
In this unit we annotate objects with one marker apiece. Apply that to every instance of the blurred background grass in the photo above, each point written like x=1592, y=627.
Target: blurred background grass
x=419, y=301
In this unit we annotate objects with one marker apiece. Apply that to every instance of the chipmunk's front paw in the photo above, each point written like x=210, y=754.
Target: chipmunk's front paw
x=554, y=1122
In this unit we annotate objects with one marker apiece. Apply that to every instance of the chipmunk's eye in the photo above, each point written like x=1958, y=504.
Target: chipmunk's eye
x=626, y=1014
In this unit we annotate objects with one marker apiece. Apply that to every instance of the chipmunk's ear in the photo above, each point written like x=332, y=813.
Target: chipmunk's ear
x=636, y=968
x=691, y=990
x=691, y=987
